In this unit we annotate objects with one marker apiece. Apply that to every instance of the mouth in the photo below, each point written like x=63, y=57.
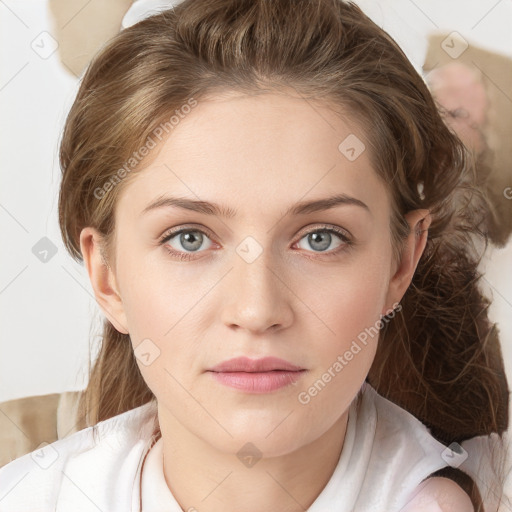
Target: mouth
x=257, y=375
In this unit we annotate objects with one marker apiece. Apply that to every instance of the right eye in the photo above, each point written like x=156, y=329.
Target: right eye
x=183, y=243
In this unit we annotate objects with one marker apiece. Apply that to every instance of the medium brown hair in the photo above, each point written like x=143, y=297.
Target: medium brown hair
x=440, y=357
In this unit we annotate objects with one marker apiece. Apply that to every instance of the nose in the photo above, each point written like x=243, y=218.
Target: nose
x=257, y=295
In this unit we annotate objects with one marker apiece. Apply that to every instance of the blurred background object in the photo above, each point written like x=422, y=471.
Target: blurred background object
x=82, y=28
x=476, y=90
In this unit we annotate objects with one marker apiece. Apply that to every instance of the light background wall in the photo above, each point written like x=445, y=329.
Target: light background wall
x=46, y=308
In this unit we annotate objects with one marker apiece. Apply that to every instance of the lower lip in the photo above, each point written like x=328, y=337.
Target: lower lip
x=258, y=382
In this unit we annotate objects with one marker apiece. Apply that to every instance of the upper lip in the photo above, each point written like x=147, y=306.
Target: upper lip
x=245, y=364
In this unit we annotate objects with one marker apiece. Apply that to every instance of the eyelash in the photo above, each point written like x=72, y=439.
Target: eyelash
x=347, y=242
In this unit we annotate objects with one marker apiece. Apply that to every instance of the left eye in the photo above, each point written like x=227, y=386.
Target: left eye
x=321, y=239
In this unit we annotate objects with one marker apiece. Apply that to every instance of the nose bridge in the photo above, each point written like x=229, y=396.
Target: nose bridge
x=254, y=264
x=254, y=267
x=257, y=296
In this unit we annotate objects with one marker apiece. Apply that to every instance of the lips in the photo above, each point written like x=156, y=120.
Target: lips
x=245, y=364
x=264, y=375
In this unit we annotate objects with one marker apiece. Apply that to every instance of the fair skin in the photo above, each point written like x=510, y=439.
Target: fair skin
x=439, y=494
x=258, y=155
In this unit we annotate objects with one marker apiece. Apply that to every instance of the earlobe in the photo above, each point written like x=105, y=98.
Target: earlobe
x=102, y=278
x=414, y=245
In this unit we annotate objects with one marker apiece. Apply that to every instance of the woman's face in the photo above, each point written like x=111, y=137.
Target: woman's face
x=248, y=281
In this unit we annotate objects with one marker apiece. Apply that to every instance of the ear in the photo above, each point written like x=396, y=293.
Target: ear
x=419, y=222
x=102, y=278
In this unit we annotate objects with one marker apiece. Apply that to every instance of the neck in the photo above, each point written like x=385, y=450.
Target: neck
x=204, y=478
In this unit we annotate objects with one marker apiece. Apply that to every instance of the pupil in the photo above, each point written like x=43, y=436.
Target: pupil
x=188, y=238
x=316, y=237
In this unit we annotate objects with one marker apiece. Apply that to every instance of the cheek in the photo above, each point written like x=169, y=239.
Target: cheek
x=163, y=304
x=349, y=300
x=349, y=307
x=147, y=311
x=154, y=296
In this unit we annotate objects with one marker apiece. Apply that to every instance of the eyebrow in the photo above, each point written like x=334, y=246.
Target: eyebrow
x=208, y=208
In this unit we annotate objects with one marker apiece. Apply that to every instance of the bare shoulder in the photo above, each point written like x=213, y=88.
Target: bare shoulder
x=439, y=494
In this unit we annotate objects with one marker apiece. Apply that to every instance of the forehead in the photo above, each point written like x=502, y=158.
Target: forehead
x=258, y=152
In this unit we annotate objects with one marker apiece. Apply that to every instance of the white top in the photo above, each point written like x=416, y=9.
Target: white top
x=386, y=454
